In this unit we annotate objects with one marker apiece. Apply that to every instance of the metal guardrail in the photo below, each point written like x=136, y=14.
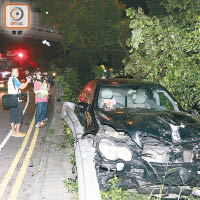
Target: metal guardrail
x=84, y=152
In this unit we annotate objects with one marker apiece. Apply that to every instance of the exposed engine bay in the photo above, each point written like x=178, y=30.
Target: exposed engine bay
x=149, y=168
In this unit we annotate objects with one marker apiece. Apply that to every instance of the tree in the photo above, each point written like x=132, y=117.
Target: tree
x=93, y=30
x=165, y=48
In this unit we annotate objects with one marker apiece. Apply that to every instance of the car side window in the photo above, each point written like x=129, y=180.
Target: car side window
x=164, y=101
x=106, y=99
x=87, y=94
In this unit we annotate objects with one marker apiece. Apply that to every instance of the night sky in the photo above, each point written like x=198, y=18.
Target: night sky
x=35, y=46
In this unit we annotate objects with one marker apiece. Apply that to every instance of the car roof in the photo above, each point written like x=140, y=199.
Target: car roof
x=124, y=81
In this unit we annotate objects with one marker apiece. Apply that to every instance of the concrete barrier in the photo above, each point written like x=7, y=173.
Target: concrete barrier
x=84, y=152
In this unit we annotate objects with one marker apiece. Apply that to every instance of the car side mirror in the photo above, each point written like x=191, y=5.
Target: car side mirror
x=82, y=105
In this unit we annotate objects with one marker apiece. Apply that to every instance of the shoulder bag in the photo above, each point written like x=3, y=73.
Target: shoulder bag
x=10, y=100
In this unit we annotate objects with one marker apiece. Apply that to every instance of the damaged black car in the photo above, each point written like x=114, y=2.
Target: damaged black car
x=142, y=135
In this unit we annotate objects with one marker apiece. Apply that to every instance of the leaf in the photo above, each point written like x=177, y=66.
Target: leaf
x=167, y=49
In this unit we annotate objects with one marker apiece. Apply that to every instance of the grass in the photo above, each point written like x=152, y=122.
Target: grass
x=43, y=139
x=51, y=131
x=72, y=186
x=68, y=133
x=116, y=193
x=62, y=145
x=73, y=159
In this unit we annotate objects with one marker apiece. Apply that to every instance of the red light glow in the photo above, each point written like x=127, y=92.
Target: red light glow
x=21, y=55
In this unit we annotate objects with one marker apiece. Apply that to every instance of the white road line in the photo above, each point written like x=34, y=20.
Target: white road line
x=5, y=140
x=10, y=132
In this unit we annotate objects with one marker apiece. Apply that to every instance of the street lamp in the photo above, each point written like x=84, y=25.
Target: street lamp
x=46, y=43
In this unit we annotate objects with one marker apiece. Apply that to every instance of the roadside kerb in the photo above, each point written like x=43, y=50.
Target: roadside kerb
x=84, y=152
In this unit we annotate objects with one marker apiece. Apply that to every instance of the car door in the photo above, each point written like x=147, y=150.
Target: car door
x=84, y=110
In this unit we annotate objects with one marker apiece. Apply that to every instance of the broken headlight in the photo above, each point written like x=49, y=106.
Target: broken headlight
x=112, y=151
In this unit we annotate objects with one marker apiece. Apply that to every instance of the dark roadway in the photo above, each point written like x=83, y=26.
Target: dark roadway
x=19, y=169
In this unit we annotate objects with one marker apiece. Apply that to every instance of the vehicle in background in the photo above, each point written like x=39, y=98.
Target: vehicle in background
x=7, y=62
x=4, y=75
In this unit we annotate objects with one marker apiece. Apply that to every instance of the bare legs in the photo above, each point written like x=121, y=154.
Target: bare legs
x=13, y=128
x=15, y=131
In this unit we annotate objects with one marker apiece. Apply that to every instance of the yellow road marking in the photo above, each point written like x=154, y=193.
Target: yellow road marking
x=22, y=172
x=10, y=172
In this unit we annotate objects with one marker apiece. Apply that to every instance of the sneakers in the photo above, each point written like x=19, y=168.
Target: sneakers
x=38, y=125
x=42, y=123
x=46, y=119
x=20, y=134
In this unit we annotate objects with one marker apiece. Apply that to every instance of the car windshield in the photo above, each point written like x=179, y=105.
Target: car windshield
x=136, y=97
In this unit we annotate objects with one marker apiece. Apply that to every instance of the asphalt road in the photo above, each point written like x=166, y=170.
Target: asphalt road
x=20, y=157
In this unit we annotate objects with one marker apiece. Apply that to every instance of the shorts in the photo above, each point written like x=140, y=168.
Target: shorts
x=16, y=114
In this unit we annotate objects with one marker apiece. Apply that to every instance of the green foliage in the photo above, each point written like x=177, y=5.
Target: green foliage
x=51, y=131
x=62, y=145
x=43, y=139
x=98, y=71
x=71, y=185
x=68, y=133
x=94, y=32
x=165, y=49
x=116, y=193
x=73, y=159
x=70, y=83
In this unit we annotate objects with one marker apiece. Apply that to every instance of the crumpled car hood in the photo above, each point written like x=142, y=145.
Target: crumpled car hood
x=159, y=124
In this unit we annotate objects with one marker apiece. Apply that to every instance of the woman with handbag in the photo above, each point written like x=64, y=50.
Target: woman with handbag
x=16, y=114
x=41, y=99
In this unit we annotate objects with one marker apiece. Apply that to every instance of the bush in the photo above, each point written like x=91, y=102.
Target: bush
x=70, y=83
x=165, y=49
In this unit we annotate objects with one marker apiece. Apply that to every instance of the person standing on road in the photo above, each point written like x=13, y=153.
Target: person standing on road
x=16, y=114
x=41, y=99
x=49, y=87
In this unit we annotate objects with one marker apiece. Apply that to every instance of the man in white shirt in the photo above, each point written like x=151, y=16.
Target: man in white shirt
x=16, y=114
